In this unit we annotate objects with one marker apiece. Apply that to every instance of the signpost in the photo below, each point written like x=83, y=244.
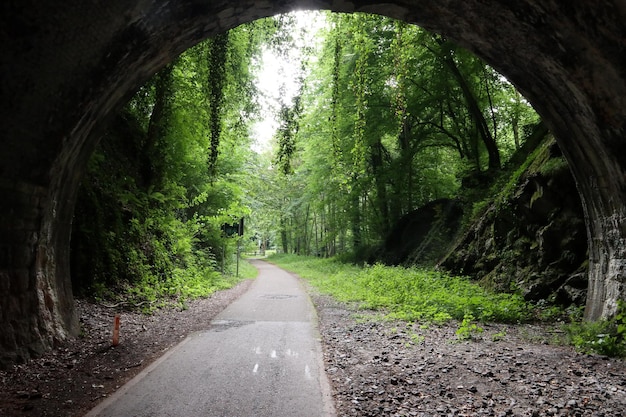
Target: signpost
x=235, y=229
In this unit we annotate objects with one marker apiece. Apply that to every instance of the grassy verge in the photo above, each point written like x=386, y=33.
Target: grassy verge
x=246, y=270
x=414, y=294
x=410, y=294
x=183, y=285
x=606, y=337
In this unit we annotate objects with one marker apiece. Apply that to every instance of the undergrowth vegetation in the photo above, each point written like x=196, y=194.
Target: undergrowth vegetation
x=179, y=285
x=425, y=295
x=410, y=294
x=606, y=337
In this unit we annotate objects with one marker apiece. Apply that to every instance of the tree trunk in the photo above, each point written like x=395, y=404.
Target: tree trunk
x=283, y=235
x=474, y=108
x=355, y=219
x=153, y=169
x=217, y=76
x=382, y=202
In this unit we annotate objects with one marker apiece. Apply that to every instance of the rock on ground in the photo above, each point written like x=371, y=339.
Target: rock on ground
x=376, y=367
x=386, y=368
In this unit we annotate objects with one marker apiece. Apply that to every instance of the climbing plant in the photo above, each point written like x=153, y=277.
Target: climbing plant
x=168, y=174
x=391, y=118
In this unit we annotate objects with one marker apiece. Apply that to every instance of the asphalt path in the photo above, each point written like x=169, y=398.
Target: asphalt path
x=260, y=357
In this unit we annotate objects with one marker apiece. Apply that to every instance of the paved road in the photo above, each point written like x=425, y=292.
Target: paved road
x=260, y=357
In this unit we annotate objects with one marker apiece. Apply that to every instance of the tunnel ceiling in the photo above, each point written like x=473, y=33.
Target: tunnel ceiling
x=66, y=67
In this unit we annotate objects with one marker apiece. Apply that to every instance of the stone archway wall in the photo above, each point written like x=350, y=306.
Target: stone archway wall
x=66, y=66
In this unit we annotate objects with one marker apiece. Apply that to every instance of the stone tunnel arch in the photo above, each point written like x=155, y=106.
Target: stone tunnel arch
x=66, y=67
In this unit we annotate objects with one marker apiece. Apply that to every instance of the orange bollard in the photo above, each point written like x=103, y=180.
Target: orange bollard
x=116, y=331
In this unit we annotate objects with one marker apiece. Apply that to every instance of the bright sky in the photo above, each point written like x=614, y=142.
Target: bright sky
x=276, y=71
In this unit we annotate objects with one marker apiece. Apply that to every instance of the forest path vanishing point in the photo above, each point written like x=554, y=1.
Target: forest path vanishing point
x=376, y=367
x=260, y=357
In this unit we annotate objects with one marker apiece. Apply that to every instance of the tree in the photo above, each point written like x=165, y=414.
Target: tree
x=169, y=174
x=384, y=128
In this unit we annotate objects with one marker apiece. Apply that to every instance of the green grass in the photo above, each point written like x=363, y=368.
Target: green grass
x=605, y=337
x=247, y=270
x=428, y=296
x=182, y=285
x=198, y=284
x=410, y=294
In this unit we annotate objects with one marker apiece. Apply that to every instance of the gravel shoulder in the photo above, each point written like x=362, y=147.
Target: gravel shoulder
x=75, y=377
x=387, y=368
x=375, y=367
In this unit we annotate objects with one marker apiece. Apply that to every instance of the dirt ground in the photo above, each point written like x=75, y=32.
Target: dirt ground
x=382, y=368
x=72, y=379
x=376, y=367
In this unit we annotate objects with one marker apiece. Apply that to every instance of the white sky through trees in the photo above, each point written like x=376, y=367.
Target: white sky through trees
x=281, y=72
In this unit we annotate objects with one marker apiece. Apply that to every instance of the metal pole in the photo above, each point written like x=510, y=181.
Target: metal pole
x=223, y=256
x=237, y=274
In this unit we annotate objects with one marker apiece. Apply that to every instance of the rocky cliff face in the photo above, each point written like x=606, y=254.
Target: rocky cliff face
x=423, y=235
x=530, y=238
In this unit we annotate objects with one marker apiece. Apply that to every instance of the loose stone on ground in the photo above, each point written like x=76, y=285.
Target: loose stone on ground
x=390, y=368
x=376, y=368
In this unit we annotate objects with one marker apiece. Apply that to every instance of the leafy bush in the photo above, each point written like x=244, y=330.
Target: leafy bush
x=605, y=337
x=468, y=329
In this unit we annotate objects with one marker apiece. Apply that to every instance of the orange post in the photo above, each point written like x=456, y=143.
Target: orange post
x=116, y=331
